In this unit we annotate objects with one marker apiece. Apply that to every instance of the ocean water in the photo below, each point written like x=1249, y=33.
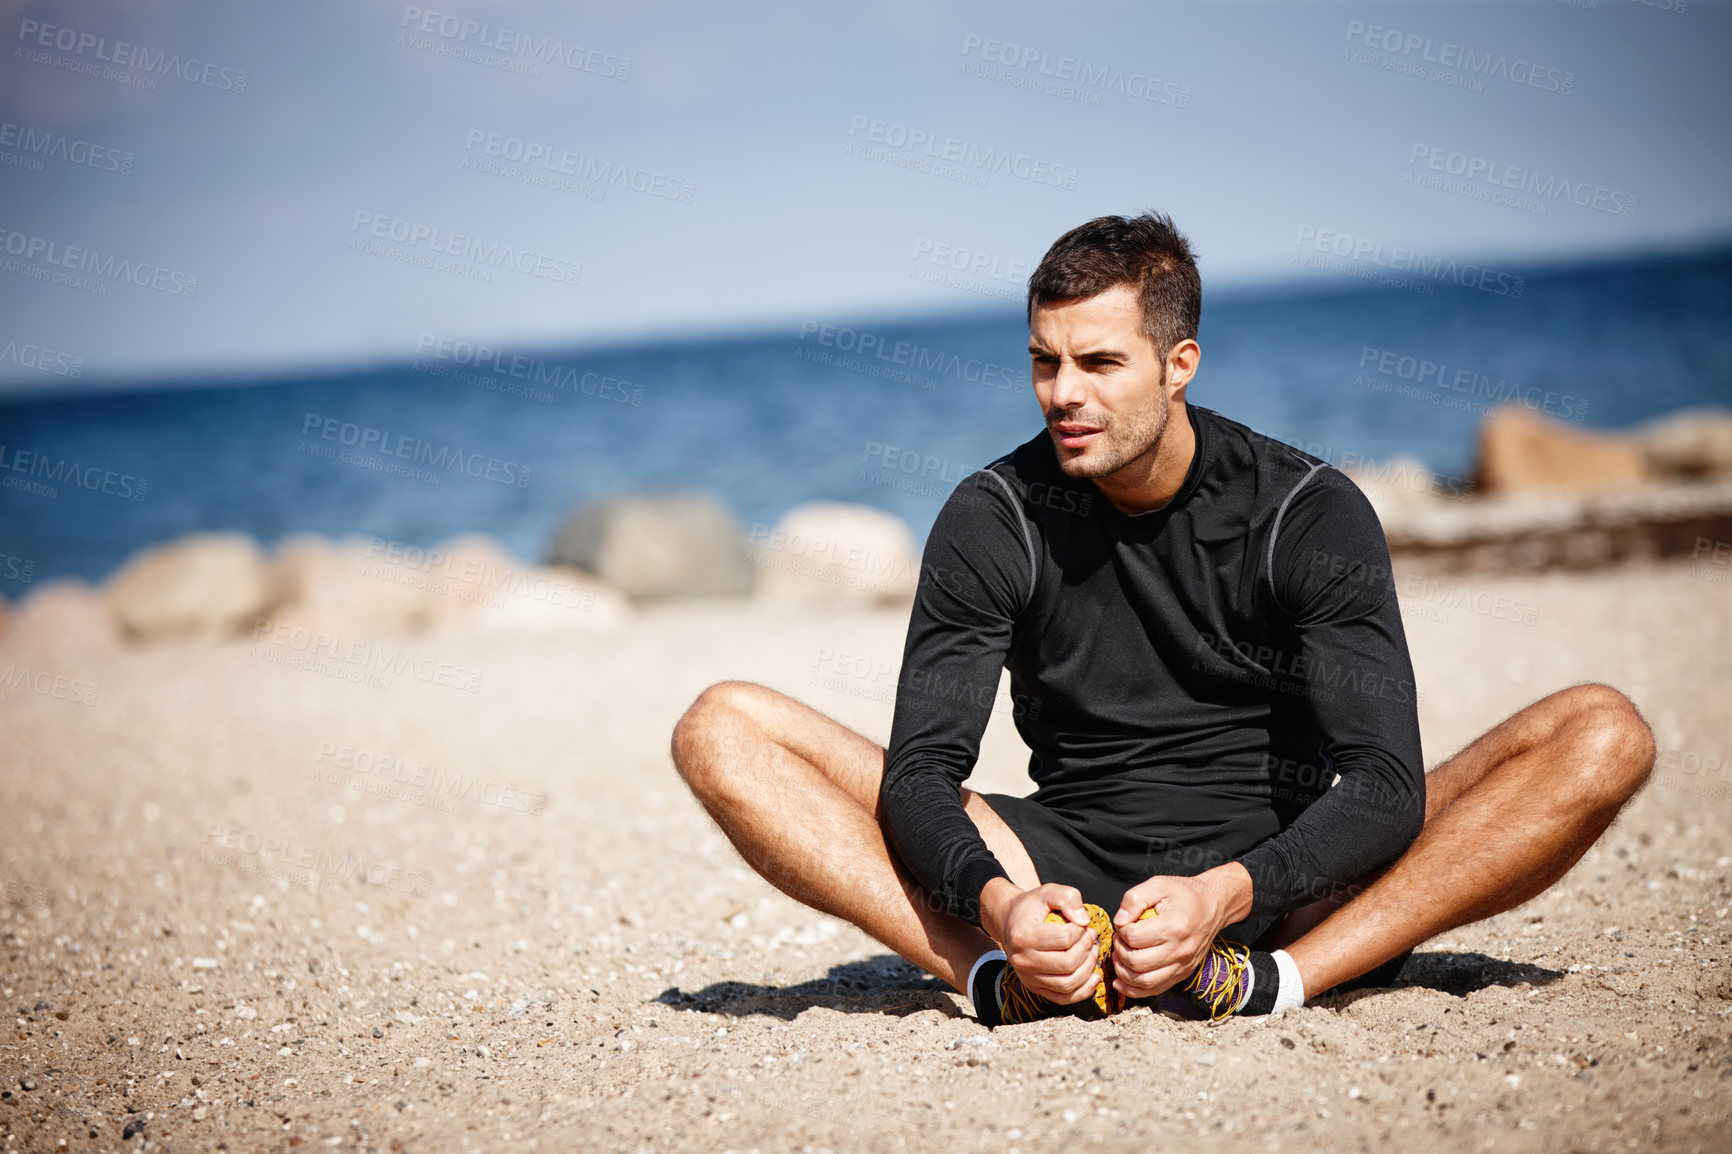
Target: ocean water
x=885, y=414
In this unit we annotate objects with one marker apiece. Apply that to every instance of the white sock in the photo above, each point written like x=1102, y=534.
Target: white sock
x=973, y=970
x=1291, y=991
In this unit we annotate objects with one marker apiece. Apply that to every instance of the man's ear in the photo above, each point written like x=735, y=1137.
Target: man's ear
x=1182, y=361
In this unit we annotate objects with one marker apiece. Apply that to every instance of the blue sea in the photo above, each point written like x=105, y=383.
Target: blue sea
x=889, y=414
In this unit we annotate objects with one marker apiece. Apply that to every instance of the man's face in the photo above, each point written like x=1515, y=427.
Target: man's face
x=1099, y=381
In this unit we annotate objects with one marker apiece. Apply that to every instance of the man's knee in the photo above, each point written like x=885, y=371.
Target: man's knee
x=1617, y=749
x=723, y=708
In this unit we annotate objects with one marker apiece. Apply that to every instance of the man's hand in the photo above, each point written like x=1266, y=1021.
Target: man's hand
x=1058, y=962
x=1150, y=957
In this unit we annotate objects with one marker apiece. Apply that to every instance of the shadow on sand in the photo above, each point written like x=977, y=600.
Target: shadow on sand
x=886, y=984
x=1462, y=974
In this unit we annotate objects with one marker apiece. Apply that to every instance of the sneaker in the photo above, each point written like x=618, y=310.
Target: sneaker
x=1221, y=982
x=1215, y=991
x=1016, y=1003
x=1171, y=1004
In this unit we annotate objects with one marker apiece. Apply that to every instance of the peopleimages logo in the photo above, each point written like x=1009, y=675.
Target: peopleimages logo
x=365, y=438
x=532, y=370
x=368, y=656
x=1499, y=177
x=921, y=146
x=954, y=266
x=971, y=261
x=34, y=35
x=46, y=683
x=1410, y=52
x=322, y=864
x=64, y=472
x=34, y=145
x=78, y=259
x=510, y=42
x=1478, y=391
x=42, y=359
x=1362, y=249
x=541, y=163
x=907, y=355
x=1090, y=79
x=424, y=243
x=468, y=578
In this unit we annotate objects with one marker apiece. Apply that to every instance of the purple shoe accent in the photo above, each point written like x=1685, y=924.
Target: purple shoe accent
x=1218, y=986
x=1216, y=968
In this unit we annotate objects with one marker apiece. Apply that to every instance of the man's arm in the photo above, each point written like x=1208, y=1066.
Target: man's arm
x=1351, y=669
x=976, y=576
x=1331, y=573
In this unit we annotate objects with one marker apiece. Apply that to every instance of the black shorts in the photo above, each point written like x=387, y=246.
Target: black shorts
x=1103, y=872
x=1102, y=864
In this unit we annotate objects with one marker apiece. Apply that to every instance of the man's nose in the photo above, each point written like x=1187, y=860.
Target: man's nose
x=1069, y=386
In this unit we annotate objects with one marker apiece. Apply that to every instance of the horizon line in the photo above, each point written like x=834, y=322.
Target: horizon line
x=29, y=390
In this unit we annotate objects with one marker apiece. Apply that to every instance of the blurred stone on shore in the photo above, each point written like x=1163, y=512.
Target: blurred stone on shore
x=213, y=587
x=1547, y=497
x=61, y=623
x=656, y=545
x=209, y=587
x=485, y=590
x=830, y=553
x=1695, y=442
x=1521, y=451
x=370, y=587
x=200, y=587
x=344, y=586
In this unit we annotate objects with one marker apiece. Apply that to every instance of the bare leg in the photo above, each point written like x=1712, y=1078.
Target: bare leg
x=1504, y=819
x=797, y=794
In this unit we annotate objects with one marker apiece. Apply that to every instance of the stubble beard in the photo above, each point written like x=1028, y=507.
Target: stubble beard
x=1126, y=440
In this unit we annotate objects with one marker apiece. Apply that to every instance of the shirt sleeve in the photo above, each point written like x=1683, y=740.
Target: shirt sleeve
x=1331, y=576
x=976, y=576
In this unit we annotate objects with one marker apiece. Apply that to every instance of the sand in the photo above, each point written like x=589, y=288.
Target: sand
x=230, y=921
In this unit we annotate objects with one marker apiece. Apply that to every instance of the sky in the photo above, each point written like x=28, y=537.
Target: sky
x=223, y=192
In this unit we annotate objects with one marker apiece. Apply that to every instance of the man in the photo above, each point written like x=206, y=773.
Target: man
x=1207, y=661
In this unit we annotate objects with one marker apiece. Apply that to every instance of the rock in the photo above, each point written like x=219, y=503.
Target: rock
x=63, y=622
x=826, y=551
x=204, y=586
x=1519, y=450
x=678, y=543
x=363, y=586
x=488, y=591
x=1694, y=442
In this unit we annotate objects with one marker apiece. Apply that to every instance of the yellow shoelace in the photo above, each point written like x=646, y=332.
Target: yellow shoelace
x=1020, y=1004
x=1229, y=964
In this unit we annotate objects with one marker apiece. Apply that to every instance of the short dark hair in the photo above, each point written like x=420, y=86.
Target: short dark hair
x=1147, y=252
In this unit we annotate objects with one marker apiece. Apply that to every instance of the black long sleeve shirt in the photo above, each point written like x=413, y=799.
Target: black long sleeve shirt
x=1196, y=675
